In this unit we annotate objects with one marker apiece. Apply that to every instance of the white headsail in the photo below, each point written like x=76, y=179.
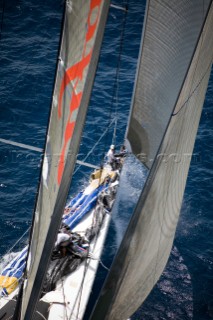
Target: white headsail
x=176, y=78
x=170, y=36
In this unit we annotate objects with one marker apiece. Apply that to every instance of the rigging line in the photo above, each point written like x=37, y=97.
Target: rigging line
x=9, y=251
x=200, y=39
x=118, y=7
x=21, y=145
x=26, y=146
x=23, y=276
x=114, y=92
x=86, y=265
x=2, y=19
x=90, y=256
x=20, y=201
x=65, y=304
x=41, y=315
x=116, y=81
x=91, y=151
x=94, y=221
x=101, y=263
x=198, y=49
x=115, y=132
x=87, y=261
x=17, y=310
x=192, y=93
x=115, y=86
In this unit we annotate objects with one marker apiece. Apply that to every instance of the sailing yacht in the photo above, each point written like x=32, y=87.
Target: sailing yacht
x=173, y=71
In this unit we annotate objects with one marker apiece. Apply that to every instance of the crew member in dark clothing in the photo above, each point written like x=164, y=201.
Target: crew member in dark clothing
x=70, y=243
x=122, y=153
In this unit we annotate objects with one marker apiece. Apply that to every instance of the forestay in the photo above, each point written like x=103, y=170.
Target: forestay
x=147, y=243
x=84, y=23
x=170, y=37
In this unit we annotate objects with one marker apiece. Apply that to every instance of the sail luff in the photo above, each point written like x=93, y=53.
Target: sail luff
x=83, y=31
x=148, y=240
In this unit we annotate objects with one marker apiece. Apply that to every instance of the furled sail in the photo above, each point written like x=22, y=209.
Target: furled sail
x=170, y=37
x=147, y=243
x=83, y=29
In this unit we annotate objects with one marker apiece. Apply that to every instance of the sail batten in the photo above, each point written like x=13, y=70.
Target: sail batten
x=83, y=30
x=147, y=243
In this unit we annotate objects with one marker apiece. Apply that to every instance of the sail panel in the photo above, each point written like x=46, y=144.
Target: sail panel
x=170, y=36
x=147, y=243
x=83, y=30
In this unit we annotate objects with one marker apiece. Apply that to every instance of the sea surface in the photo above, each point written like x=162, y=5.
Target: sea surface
x=29, y=39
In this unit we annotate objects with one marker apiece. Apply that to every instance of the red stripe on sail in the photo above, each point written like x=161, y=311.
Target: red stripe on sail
x=92, y=24
x=75, y=73
x=75, y=103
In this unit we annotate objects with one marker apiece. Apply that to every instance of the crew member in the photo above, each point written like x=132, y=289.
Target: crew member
x=111, y=157
x=122, y=153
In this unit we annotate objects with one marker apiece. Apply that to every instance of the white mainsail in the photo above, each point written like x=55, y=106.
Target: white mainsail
x=147, y=243
x=84, y=23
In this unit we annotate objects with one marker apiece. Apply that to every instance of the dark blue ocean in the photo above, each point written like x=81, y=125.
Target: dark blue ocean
x=29, y=39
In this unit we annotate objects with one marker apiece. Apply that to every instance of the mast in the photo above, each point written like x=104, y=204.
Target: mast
x=83, y=30
x=148, y=240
